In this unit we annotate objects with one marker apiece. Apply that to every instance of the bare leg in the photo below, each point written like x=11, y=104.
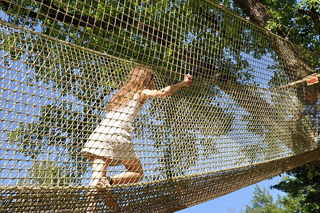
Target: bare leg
x=133, y=174
x=99, y=169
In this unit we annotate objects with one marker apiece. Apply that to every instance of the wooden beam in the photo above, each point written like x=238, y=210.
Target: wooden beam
x=310, y=79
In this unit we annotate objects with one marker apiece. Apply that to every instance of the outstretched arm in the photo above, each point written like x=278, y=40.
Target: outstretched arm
x=146, y=93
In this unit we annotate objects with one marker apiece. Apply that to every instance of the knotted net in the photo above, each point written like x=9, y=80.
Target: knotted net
x=63, y=61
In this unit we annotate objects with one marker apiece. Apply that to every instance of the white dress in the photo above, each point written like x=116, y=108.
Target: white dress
x=112, y=137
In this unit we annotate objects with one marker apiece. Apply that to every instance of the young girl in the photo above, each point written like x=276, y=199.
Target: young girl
x=110, y=143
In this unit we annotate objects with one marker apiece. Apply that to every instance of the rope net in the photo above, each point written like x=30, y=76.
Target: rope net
x=62, y=62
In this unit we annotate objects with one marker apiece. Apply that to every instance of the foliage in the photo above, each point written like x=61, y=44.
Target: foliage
x=262, y=202
x=138, y=30
x=84, y=81
x=46, y=174
x=303, y=184
x=295, y=21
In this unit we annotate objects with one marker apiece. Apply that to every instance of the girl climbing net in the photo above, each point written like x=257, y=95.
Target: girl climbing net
x=110, y=143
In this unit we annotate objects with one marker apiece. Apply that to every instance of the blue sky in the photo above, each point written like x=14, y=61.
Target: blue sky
x=235, y=201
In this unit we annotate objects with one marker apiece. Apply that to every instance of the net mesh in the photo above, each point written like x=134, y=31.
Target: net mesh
x=63, y=61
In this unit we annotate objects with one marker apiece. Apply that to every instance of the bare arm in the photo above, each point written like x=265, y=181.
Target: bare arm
x=146, y=93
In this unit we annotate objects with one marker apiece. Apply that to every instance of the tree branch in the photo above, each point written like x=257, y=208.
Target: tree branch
x=259, y=14
x=254, y=9
x=48, y=9
x=313, y=15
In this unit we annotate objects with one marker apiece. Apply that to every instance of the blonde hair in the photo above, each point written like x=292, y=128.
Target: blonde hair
x=140, y=78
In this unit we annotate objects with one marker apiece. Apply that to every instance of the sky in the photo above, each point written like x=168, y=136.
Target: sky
x=234, y=202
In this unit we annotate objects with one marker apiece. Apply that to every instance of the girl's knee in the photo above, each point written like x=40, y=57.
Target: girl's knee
x=137, y=169
x=134, y=166
x=140, y=172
